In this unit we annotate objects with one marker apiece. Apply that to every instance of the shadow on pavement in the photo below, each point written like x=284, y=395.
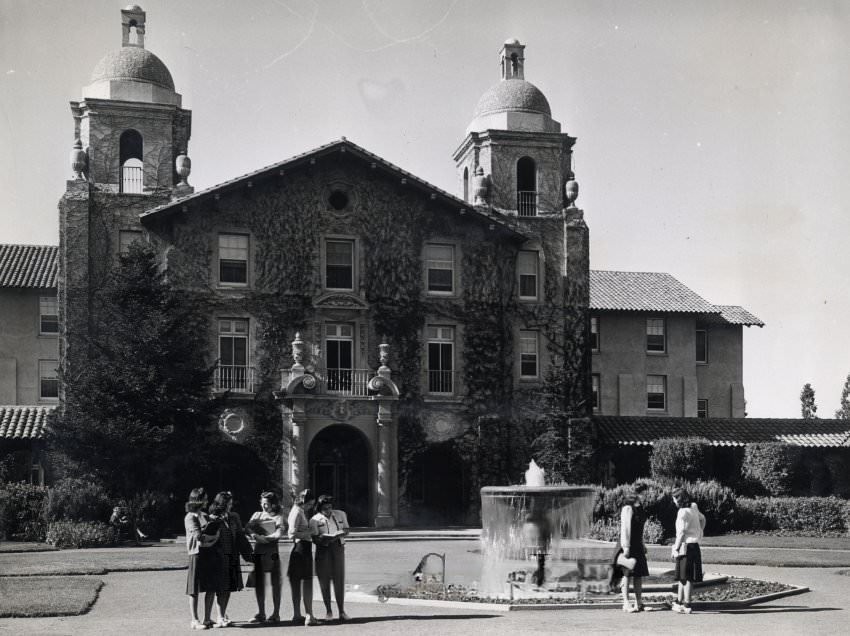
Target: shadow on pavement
x=362, y=620
x=785, y=609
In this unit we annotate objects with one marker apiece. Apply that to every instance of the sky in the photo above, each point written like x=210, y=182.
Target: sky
x=712, y=136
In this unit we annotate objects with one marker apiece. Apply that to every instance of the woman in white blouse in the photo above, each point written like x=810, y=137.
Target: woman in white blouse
x=300, y=570
x=329, y=528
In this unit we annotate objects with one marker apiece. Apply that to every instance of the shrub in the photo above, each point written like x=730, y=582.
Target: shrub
x=771, y=465
x=817, y=516
x=657, y=501
x=78, y=499
x=22, y=508
x=680, y=459
x=80, y=534
x=609, y=530
x=716, y=502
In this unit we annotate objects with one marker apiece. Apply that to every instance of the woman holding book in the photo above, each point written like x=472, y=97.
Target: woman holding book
x=329, y=528
x=203, y=558
x=266, y=527
x=300, y=569
x=630, y=558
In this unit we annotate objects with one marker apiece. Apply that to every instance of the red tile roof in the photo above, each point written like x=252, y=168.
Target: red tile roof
x=28, y=265
x=23, y=422
x=643, y=431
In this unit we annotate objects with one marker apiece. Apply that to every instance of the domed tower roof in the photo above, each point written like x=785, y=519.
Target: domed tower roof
x=132, y=73
x=513, y=103
x=133, y=63
x=513, y=94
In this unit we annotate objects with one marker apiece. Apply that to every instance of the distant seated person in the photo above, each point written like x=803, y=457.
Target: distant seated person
x=125, y=529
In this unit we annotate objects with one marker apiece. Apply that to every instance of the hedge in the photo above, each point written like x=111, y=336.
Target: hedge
x=773, y=466
x=80, y=534
x=78, y=499
x=681, y=459
x=22, y=508
x=817, y=516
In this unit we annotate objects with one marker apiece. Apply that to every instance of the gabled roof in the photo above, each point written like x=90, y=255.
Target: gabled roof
x=660, y=293
x=644, y=291
x=643, y=431
x=23, y=422
x=343, y=145
x=28, y=266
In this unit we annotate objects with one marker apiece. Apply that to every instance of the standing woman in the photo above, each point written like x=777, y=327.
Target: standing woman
x=266, y=528
x=632, y=548
x=203, y=570
x=690, y=524
x=300, y=569
x=230, y=573
x=329, y=528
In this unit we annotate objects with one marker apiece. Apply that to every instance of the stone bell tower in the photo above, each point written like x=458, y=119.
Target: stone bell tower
x=131, y=136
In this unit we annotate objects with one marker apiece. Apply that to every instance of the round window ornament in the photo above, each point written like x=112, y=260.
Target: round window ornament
x=338, y=200
x=231, y=423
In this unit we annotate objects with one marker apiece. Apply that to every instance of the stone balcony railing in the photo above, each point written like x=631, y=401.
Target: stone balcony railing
x=236, y=379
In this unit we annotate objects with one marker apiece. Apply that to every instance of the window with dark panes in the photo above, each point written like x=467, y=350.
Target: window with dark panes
x=656, y=390
x=233, y=259
x=702, y=408
x=594, y=333
x=528, y=362
x=48, y=376
x=440, y=268
x=440, y=359
x=339, y=265
x=595, y=381
x=233, y=354
x=655, y=335
x=339, y=356
x=48, y=316
x=527, y=264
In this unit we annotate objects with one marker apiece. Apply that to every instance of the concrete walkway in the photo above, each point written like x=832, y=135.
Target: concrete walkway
x=153, y=603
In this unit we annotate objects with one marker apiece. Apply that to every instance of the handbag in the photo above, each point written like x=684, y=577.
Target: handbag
x=626, y=562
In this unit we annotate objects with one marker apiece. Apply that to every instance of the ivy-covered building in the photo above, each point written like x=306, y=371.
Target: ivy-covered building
x=395, y=340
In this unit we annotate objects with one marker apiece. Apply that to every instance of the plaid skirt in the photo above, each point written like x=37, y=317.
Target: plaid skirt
x=689, y=566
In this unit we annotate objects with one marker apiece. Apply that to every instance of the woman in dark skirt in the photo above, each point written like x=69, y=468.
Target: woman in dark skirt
x=231, y=533
x=300, y=569
x=630, y=556
x=203, y=560
x=690, y=524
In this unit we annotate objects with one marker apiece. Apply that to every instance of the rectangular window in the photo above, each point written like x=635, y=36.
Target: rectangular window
x=656, y=392
x=48, y=379
x=233, y=259
x=339, y=265
x=233, y=372
x=440, y=267
x=702, y=408
x=126, y=238
x=48, y=310
x=527, y=264
x=595, y=380
x=594, y=333
x=528, y=363
x=441, y=359
x=655, y=335
x=339, y=356
x=702, y=346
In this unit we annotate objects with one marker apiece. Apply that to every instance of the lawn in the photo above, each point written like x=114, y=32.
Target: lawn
x=47, y=595
x=25, y=546
x=766, y=540
x=93, y=561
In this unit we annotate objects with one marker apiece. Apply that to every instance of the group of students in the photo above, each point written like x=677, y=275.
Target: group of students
x=216, y=538
x=630, y=556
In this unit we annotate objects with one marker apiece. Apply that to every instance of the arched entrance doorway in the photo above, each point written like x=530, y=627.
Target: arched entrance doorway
x=338, y=465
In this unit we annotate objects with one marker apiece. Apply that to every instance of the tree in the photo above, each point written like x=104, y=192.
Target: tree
x=843, y=413
x=808, y=407
x=137, y=409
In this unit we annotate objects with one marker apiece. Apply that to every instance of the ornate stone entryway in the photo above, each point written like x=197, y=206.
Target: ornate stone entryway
x=338, y=464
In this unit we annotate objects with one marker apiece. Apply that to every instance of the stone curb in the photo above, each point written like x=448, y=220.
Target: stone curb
x=361, y=597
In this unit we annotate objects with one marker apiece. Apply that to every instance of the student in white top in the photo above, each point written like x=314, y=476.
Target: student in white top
x=300, y=570
x=329, y=528
x=690, y=523
x=266, y=528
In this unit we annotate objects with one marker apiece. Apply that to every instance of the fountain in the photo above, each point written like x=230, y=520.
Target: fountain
x=530, y=539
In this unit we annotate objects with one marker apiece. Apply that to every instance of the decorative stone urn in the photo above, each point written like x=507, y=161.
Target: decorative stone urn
x=184, y=168
x=79, y=160
x=480, y=187
x=571, y=193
